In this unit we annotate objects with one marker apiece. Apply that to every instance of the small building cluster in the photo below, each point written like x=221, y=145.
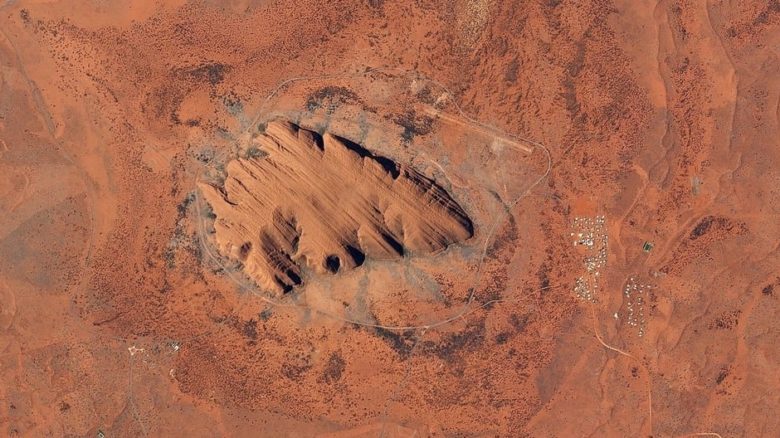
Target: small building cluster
x=635, y=294
x=590, y=233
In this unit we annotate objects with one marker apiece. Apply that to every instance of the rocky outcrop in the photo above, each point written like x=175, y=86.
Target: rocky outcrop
x=325, y=202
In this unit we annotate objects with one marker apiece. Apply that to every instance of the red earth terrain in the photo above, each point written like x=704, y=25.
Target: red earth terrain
x=475, y=218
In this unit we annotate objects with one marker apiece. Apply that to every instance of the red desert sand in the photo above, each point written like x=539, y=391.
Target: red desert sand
x=390, y=219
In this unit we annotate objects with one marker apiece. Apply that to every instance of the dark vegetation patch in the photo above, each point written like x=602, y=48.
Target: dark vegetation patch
x=336, y=23
x=495, y=284
x=712, y=223
x=334, y=369
x=510, y=74
x=709, y=229
x=769, y=290
x=204, y=155
x=702, y=227
x=519, y=322
x=213, y=73
x=544, y=276
x=402, y=343
x=413, y=125
x=724, y=372
x=425, y=95
x=255, y=152
x=569, y=95
x=296, y=367
x=182, y=239
x=232, y=103
x=250, y=329
x=763, y=17
x=726, y=321
x=574, y=67
x=450, y=347
x=164, y=102
x=502, y=337
x=332, y=97
x=505, y=243
x=184, y=205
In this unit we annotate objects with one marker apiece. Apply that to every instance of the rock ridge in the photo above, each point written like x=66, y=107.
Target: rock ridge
x=327, y=203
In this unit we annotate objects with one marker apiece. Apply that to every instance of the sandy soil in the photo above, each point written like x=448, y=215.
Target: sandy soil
x=618, y=161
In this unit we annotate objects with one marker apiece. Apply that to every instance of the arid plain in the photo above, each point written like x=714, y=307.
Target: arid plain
x=367, y=218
